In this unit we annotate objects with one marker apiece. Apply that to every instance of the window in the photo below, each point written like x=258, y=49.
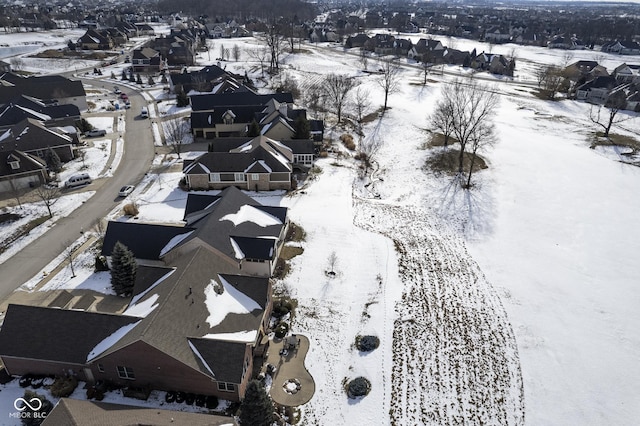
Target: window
x=240, y=177
x=14, y=165
x=101, y=368
x=214, y=177
x=227, y=387
x=255, y=176
x=126, y=373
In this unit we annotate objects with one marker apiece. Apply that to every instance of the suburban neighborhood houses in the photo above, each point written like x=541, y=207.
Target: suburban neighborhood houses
x=215, y=216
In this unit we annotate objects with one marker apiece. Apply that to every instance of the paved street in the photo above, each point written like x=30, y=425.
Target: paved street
x=138, y=154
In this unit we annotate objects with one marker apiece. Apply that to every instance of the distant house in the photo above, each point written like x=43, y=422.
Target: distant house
x=401, y=47
x=357, y=40
x=457, y=57
x=195, y=321
x=19, y=170
x=177, y=49
x=146, y=60
x=497, y=35
x=622, y=47
x=597, y=90
x=211, y=78
x=627, y=73
x=95, y=40
x=261, y=164
x=23, y=107
x=562, y=42
x=144, y=29
x=495, y=64
x=423, y=47
x=584, y=69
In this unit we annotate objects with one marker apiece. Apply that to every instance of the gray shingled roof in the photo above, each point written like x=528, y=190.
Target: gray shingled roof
x=72, y=412
x=146, y=241
x=209, y=102
x=62, y=335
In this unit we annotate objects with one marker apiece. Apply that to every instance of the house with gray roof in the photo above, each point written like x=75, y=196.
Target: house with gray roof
x=19, y=171
x=261, y=164
x=193, y=324
x=32, y=137
x=49, y=89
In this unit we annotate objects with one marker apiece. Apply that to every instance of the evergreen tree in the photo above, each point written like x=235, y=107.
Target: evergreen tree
x=150, y=81
x=113, y=75
x=35, y=417
x=139, y=79
x=53, y=160
x=182, y=99
x=256, y=408
x=83, y=125
x=254, y=129
x=303, y=129
x=124, y=75
x=163, y=80
x=123, y=269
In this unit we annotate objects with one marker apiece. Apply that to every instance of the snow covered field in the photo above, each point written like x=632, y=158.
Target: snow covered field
x=513, y=303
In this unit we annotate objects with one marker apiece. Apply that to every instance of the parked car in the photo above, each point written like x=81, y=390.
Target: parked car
x=144, y=112
x=116, y=90
x=95, y=132
x=78, y=180
x=123, y=96
x=126, y=190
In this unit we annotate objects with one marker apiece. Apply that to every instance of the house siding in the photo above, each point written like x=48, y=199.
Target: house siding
x=159, y=371
x=21, y=366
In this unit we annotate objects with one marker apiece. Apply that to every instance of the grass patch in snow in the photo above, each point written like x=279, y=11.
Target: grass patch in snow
x=296, y=233
x=446, y=161
x=289, y=252
x=615, y=140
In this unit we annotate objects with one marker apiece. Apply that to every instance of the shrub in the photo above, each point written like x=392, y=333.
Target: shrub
x=347, y=141
x=211, y=402
x=281, y=330
x=33, y=417
x=189, y=399
x=359, y=386
x=180, y=397
x=131, y=209
x=323, y=154
x=281, y=308
x=63, y=386
x=170, y=397
x=367, y=343
x=101, y=263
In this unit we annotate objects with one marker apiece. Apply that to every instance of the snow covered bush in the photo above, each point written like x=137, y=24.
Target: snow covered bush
x=367, y=343
x=281, y=330
x=63, y=387
x=359, y=386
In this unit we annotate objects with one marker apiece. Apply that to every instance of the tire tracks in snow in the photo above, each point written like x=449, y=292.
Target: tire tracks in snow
x=455, y=358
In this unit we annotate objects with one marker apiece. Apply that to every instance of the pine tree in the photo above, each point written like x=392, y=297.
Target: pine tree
x=254, y=129
x=123, y=269
x=303, y=129
x=35, y=417
x=53, y=160
x=124, y=75
x=163, y=80
x=139, y=79
x=182, y=99
x=256, y=408
x=150, y=81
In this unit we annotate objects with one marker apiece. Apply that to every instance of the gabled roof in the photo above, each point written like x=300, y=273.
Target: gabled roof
x=211, y=101
x=63, y=335
x=75, y=412
x=602, y=82
x=209, y=119
x=30, y=134
x=145, y=240
x=221, y=357
x=41, y=87
x=27, y=163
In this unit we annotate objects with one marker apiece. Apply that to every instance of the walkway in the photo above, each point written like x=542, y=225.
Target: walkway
x=290, y=371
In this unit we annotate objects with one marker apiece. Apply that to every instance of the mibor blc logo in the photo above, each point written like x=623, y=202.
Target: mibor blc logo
x=21, y=404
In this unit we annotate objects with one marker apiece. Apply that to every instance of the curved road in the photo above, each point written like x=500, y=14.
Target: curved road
x=136, y=161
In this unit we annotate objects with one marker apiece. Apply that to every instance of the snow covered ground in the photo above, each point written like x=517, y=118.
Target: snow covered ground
x=514, y=301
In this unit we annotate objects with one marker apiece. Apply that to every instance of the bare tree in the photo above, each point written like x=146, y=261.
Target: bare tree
x=471, y=107
x=260, y=54
x=48, y=195
x=441, y=119
x=364, y=59
x=336, y=88
x=617, y=101
x=367, y=150
x=274, y=41
x=69, y=254
x=236, y=52
x=16, y=191
x=567, y=57
x=16, y=63
x=551, y=80
x=390, y=80
x=333, y=262
x=361, y=101
x=175, y=132
x=482, y=138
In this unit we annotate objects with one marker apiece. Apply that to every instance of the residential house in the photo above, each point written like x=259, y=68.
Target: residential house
x=627, y=73
x=223, y=316
x=5, y=67
x=357, y=40
x=261, y=164
x=71, y=412
x=177, y=49
x=146, y=60
x=562, y=42
x=211, y=78
x=497, y=35
x=622, y=47
x=48, y=89
x=597, y=90
x=95, y=40
x=32, y=137
x=422, y=47
x=144, y=29
x=402, y=47
x=19, y=170
x=585, y=70
x=23, y=107
x=458, y=57
x=383, y=44
x=495, y=64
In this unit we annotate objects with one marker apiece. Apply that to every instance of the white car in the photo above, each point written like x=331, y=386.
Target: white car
x=126, y=190
x=96, y=132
